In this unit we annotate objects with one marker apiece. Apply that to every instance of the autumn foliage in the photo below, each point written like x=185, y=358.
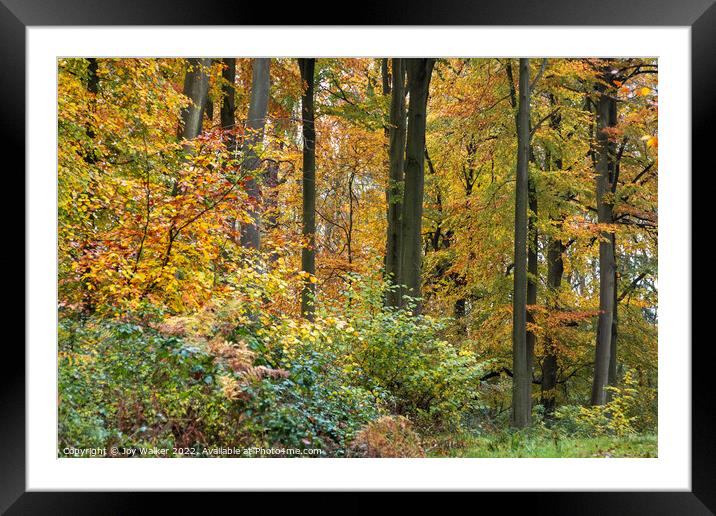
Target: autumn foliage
x=154, y=285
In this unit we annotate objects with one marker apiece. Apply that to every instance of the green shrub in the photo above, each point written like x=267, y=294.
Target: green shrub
x=392, y=351
x=124, y=385
x=222, y=378
x=314, y=407
x=627, y=412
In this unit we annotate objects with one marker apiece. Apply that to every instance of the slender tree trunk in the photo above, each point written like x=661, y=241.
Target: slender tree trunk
x=460, y=306
x=419, y=72
x=522, y=379
x=258, y=107
x=613, y=362
x=349, y=232
x=532, y=257
x=613, y=178
x=532, y=266
x=308, y=253
x=90, y=157
x=613, y=379
x=385, y=78
x=227, y=117
x=272, y=182
x=555, y=270
x=228, y=104
x=606, y=111
x=93, y=78
x=196, y=87
x=395, y=181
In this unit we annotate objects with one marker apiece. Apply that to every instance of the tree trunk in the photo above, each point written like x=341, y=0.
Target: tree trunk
x=419, y=72
x=271, y=202
x=613, y=378
x=555, y=270
x=93, y=78
x=606, y=117
x=395, y=181
x=258, y=106
x=228, y=104
x=90, y=157
x=196, y=87
x=227, y=117
x=532, y=267
x=308, y=253
x=522, y=379
x=613, y=362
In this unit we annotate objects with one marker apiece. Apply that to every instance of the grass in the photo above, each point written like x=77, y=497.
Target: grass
x=505, y=445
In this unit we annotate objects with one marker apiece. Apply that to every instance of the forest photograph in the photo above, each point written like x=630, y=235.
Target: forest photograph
x=357, y=257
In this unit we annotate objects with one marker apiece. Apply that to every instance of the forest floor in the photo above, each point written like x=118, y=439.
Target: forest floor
x=504, y=445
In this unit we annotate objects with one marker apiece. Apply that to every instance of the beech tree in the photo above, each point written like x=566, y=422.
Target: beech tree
x=419, y=72
x=555, y=271
x=395, y=179
x=196, y=87
x=258, y=106
x=228, y=104
x=308, y=252
x=522, y=376
x=606, y=112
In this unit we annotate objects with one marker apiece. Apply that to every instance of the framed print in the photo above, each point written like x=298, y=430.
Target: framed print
x=442, y=248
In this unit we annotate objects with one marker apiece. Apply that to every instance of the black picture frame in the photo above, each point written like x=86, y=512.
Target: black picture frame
x=17, y=15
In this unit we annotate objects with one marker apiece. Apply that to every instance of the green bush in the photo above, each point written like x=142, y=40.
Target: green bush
x=392, y=351
x=219, y=378
x=124, y=385
x=316, y=406
x=630, y=410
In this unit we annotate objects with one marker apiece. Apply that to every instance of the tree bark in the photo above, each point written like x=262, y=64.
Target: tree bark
x=308, y=253
x=227, y=117
x=532, y=266
x=555, y=270
x=419, y=71
x=395, y=181
x=196, y=87
x=613, y=378
x=606, y=117
x=228, y=104
x=613, y=362
x=522, y=380
x=271, y=202
x=258, y=107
